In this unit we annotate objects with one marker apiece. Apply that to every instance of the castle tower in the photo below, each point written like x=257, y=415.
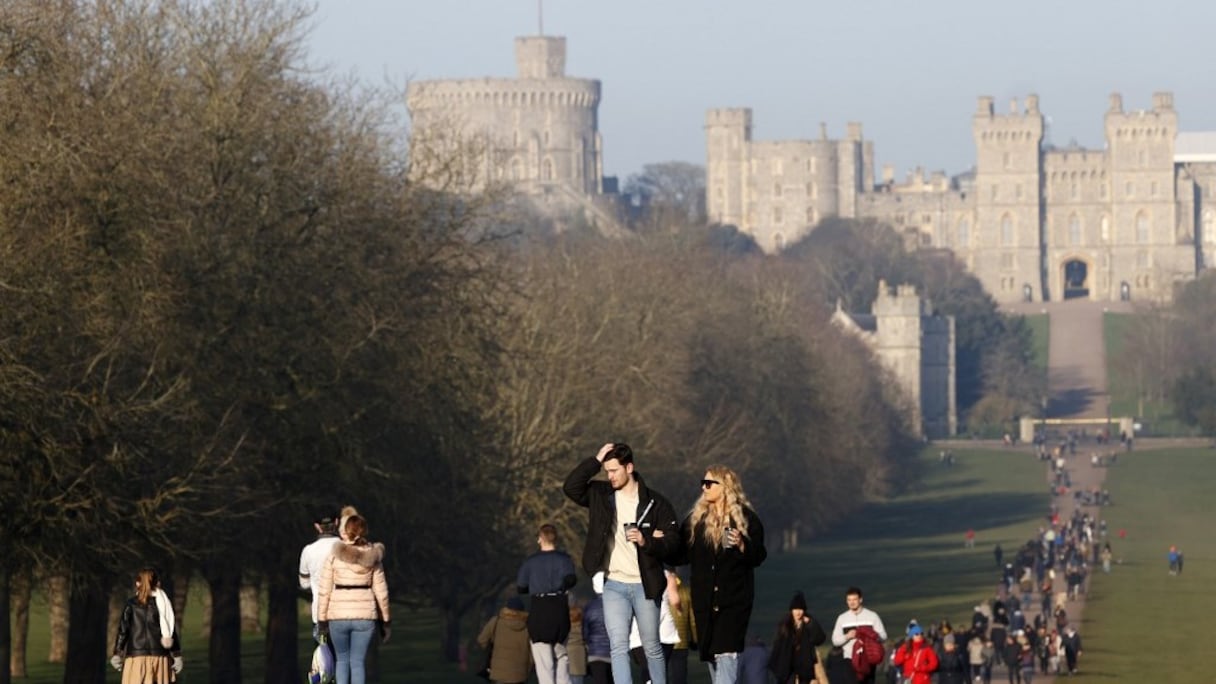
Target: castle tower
x=1009, y=202
x=728, y=134
x=918, y=348
x=1149, y=245
x=540, y=57
x=539, y=131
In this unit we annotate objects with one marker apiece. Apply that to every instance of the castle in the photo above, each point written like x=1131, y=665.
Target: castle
x=917, y=347
x=1031, y=221
x=538, y=131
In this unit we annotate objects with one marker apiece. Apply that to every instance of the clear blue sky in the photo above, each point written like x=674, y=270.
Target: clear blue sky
x=909, y=70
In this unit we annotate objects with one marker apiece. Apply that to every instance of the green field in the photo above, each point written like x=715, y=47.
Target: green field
x=1040, y=330
x=1161, y=498
x=908, y=555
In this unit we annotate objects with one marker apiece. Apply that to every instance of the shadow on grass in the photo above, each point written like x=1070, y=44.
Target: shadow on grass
x=940, y=515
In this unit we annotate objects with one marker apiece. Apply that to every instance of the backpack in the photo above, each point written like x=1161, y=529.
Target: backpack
x=868, y=651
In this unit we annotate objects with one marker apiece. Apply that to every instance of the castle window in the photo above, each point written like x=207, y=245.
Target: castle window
x=1102, y=190
x=926, y=219
x=546, y=170
x=1006, y=230
x=1152, y=191
x=1017, y=191
x=1074, y=230
x=1005, y=159
x=811, y=216
x=1142, y=231
x=546, y=138
x=1075, y=192
x=776, y=190
x=964, y=233
x=1007, y=261
x=778, y=217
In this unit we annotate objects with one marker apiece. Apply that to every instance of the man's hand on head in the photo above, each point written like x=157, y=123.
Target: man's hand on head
x=604, y=451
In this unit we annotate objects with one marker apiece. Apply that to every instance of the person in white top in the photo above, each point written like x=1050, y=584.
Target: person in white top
x=845, y=631
x=312, y=559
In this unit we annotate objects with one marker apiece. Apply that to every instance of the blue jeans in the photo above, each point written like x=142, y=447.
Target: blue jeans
x=623, y=603
x=724, y=669
x=351, y=639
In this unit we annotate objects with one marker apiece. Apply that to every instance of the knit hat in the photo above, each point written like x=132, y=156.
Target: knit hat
x=948, y=640
x=515, y=603
x=915, y=630
x=799, y=601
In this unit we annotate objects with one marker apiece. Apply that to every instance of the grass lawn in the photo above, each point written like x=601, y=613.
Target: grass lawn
x=1040, y=330
x=1125, y=400
x=906, y=553
x=1161, y=498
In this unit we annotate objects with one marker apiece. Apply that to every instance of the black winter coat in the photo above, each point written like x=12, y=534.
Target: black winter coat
x=139, y=632
x=794, y=650
x=599, y=497
x=953, y=666
x=723, y=586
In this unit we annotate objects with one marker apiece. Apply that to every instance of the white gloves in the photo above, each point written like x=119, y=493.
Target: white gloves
x=177, y=664
x=116, y=662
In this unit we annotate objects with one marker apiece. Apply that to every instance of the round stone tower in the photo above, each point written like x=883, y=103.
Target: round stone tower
x=539, y=130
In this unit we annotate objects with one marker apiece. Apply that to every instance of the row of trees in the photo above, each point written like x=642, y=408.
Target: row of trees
x=229, y=303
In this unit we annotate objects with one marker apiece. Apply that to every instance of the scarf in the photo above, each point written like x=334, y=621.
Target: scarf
x=168, y=622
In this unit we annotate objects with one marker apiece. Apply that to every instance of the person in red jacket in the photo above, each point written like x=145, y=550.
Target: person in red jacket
x=916, y=658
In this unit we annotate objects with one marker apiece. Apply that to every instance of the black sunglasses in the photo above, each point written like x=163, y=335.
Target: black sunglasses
x=706, y=484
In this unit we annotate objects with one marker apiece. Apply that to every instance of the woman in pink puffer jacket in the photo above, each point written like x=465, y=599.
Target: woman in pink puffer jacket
x=352, y=598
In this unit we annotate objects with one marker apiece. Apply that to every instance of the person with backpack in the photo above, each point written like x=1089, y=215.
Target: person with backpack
x=860, y=623
x=916, y=658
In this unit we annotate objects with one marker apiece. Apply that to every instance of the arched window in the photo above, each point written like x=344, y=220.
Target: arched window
x=546, y=170
x=964, y=233
x=778, y=217
x=1074, y=230
x=1006, y=230
x=1142, y=231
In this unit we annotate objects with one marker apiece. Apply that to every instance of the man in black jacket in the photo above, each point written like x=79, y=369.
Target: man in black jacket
x=624, y=515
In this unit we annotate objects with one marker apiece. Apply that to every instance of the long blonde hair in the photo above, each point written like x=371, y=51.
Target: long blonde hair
x=717, y=517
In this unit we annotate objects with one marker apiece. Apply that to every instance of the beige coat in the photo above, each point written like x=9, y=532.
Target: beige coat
x=352, y=585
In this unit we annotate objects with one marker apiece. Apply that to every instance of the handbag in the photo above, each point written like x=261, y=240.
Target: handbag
x=484, y=672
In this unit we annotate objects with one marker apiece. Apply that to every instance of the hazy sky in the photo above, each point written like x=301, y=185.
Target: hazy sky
x=909, y=70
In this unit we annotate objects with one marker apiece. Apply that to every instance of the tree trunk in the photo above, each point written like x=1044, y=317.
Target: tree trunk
x=88, y=605
x=250, y=609
x=21, y=592
x=451, y=633
x=6, y=634
x=181, y=591
x=57, y=605
x=225, y=642
x=283, y=632
x=118, y=600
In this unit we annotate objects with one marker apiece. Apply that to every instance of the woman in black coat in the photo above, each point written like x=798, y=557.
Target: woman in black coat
x=793, y=658
x=723, y=542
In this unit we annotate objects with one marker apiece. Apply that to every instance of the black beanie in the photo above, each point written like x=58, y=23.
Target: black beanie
x=799, y=601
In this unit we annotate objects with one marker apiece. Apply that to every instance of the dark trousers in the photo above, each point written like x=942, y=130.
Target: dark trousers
x=600, y=672
x=639, y=658
x=677, y=666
